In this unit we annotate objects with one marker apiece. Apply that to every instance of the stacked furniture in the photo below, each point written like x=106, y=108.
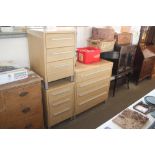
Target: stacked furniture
x=52, y=57
x=102, y=38
x=21, y=104
x=92, y=84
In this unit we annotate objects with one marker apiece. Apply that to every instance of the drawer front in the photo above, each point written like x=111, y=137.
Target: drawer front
x=23, y=102
x=60, y=94
x=91, y=102
x=60, y=40
x=33, y=122
x=92, y=84
x=59, y=70
x=55, y=54
x=93, y=73
x=86, y=96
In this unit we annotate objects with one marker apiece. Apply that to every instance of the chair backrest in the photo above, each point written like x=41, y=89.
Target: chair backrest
x=126, y=59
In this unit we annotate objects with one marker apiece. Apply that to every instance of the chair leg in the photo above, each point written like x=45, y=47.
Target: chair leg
x=114, y=89
x=128, y=80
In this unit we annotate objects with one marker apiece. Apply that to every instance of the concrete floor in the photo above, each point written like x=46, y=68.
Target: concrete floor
x=95, y=116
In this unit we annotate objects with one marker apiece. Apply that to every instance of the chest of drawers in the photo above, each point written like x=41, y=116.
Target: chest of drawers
x=21, y=104
x=92, y=84
x=59, y=101
x=52, y=54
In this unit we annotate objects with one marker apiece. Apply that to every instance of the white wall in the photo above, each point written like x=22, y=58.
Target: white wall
x=15, y=50
x=83, y=33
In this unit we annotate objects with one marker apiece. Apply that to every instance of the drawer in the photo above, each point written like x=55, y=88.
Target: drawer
x=23, y=102
x=85, y=96
x=33, y=122
x=55, y=54
x=92, y=84
x=93, y=73
x=60, y=40
x=91, y=102
x=60, y=94
x=60, y=69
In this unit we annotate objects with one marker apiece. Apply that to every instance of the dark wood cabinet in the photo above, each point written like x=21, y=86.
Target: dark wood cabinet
x=144, y=63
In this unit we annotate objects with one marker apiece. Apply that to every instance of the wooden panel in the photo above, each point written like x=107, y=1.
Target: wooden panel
x=37, y=52
x=23, y=102
x=60, y=69
x=93, y=73
x=55, y=54
x=60, y=40
x=34, y=122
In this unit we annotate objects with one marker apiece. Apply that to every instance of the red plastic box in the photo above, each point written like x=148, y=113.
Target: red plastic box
x=88, y=55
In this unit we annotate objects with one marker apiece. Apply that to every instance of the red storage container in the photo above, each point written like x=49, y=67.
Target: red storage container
x=88, y=55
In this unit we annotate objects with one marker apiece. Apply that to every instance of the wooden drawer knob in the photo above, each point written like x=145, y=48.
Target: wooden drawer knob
x=22, y=94
x=26, y=110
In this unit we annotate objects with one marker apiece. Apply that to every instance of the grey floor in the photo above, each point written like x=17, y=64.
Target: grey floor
x=94, y=117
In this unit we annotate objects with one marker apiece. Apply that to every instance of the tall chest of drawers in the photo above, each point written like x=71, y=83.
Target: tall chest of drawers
x=21, y=104
x=52, y=54
x=91, y=84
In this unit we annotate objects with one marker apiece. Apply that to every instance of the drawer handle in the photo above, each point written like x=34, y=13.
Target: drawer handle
x=58, y=113
x=28, y=126
x=57, y=53
x=22, y=94
x=58, y=39
x=95, y=72
x=26, y=110
x=92, y=90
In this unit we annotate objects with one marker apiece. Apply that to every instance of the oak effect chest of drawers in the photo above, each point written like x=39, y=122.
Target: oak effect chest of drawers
x=91, y=84
x=52, y=54
x=59, y=101
x=21, y=104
